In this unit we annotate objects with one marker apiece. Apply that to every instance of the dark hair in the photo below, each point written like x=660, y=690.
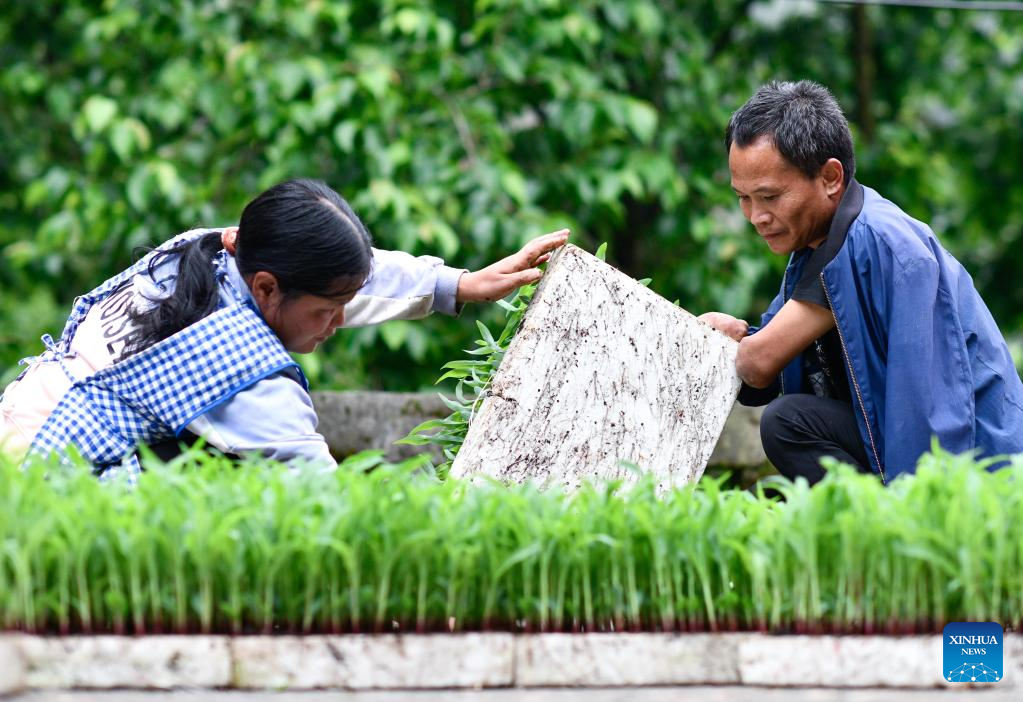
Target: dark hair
x=301, y=231
x=804, y=122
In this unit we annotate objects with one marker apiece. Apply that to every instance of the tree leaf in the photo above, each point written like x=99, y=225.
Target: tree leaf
x=99, y=111
x=642, y=119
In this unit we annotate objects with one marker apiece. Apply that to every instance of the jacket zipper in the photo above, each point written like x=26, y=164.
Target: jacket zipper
x=856, y=385
x=784, y=297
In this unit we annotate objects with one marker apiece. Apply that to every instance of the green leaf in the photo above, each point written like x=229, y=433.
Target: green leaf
x=511, y=62
x=412, y=440
x=140, y=188
x=394, y=334
x=410, y=20
x=344, y=135
x=642, y=119
x=122, y=139
x=647, y=18
x=35, y=193
x=515, y=186
x=375, y=79
x=289, y=77
x=525, y=553
x=428, y=425
x=487, y=336
x=99, y=111
x=168, y=181
x=362, y=461
x=601, y=252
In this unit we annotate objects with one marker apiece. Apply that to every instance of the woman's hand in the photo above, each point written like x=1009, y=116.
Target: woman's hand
x=229, y=239
x=726, y=324
x=507, y=275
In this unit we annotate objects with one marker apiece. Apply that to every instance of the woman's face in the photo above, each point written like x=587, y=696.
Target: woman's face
x=305, y=322
x=301, y=323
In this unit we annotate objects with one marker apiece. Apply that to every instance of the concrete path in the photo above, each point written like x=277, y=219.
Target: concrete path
x=658, y=694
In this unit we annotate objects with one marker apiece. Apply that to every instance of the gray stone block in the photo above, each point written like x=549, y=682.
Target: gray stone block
x=12, y=667
x=1012, y=649
x=613, y=660
x=472, y=660
x=356, y=421
x=853, y=661
x=159, y=662
x=739, y=444
x=359, y=662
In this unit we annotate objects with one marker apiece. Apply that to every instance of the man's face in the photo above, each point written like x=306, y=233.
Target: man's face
x=789, y=210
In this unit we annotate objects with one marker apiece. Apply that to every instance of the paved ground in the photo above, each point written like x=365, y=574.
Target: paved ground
x=662, y=694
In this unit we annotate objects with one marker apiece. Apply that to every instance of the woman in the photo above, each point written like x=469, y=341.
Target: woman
x=194, y=339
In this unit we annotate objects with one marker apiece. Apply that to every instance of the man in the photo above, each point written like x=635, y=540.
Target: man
x=878, y=340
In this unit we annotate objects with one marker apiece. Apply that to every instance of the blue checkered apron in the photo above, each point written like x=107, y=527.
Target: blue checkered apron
x=154, y=394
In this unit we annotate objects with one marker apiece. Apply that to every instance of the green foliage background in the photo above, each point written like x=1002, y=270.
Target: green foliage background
x=464, y=128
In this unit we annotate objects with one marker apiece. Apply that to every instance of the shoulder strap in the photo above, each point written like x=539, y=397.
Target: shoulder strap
x=188, y=373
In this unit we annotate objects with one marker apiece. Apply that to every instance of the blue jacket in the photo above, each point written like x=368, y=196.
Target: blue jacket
x=923, y=356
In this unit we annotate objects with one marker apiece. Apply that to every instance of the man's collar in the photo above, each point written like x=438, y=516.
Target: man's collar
x=848, y=209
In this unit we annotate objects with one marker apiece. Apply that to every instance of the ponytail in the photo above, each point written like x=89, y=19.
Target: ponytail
x=195, y=295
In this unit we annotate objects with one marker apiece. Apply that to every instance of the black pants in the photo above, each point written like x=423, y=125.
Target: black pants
x=169, y=449
x=798, y=430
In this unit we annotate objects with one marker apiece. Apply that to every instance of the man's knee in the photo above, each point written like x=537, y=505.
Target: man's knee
x=777, y=428
x=777, y=417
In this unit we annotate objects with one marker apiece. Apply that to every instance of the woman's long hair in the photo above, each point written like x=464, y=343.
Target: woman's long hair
x=301, y=231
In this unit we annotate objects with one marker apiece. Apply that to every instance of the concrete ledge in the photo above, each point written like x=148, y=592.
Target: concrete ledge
x=373, y=662
x=355, y=421
x=1013, y=650
x=12, y=667
x=483, y=660
x=614, y=660
x=104, y=662
x=842, y=661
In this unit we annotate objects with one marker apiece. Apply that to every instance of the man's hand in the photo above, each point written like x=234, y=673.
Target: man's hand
x=499, y=279
x=726, y=324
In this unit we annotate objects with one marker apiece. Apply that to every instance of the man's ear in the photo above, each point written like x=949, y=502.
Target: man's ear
x=833, y=176
x=265, y=290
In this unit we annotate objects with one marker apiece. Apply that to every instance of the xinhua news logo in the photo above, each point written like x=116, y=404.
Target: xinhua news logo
x=973, y=652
